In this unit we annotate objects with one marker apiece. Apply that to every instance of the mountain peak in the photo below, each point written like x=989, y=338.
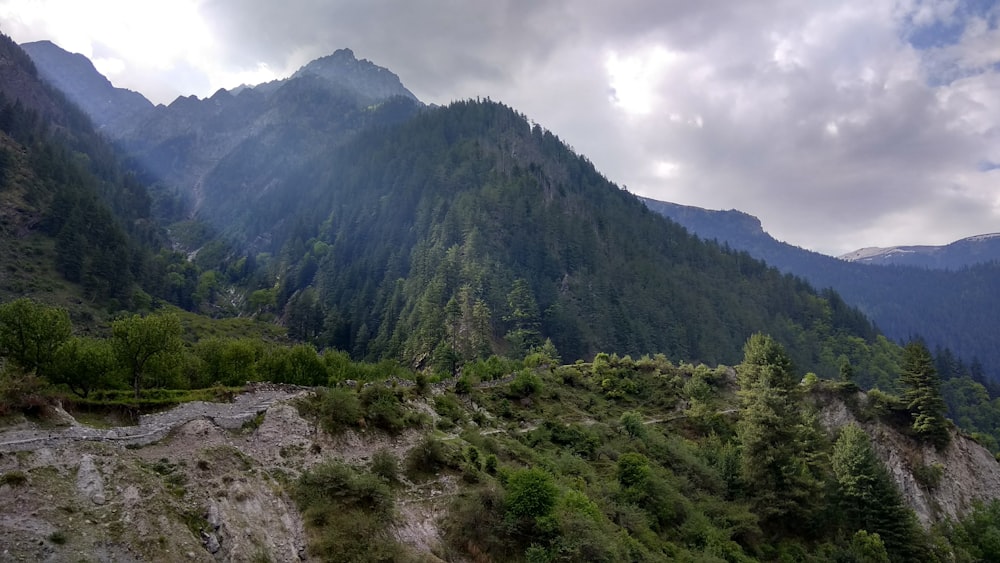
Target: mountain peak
x=367, y=79
x=110, y=108
x=963, y=252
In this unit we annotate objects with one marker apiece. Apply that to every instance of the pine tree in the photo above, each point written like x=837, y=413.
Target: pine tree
x=923, y=394
x=778, y=463
x=869, y=499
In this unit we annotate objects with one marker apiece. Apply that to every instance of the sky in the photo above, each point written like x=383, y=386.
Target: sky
x=840, y=125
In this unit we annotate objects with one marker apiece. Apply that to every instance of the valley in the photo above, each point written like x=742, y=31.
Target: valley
x=318, y=319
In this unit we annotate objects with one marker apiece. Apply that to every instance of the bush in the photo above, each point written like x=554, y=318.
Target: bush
x=21, y=393
x=525, y=384
x=531, y=494
x=429, y=457
x=347, y=514
x=929, y=476
x=336, y=409
x=383, y=408
x=13, y=478
x=386, y=466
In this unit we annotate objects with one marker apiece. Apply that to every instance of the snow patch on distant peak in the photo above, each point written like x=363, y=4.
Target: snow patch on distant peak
x=980, y=238
x=864, y=253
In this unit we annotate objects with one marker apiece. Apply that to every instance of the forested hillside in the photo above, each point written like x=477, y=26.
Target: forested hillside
x=460, y=284
x=467, y=231
x=68, y=204
x=955, y=311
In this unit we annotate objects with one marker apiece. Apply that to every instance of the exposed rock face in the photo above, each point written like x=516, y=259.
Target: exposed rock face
x=368, y=80
x=201, y=482
x=970, y=472
x=196, y=493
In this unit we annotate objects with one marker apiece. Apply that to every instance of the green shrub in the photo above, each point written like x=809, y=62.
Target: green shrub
x=336, y=409
x=13, y=478
x=57, y=537
x=347, y=513
x=531, y=494
x=525, y=384
x=449, y=408
x=429, y=457
x=383, y=408
x=928, y=476
x=385, y=465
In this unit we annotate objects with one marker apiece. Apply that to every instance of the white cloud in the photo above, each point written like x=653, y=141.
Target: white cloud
x=822, y=118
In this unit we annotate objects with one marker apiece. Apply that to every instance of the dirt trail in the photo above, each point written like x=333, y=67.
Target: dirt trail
x=152, y=427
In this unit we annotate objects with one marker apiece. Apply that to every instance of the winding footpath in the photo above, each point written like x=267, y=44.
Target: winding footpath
x=152, y=427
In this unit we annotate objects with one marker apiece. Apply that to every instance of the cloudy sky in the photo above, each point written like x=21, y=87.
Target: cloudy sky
x=840, y=124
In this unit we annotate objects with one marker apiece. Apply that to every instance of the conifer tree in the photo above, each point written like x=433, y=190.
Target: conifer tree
x=777, y=461
x=923, y=394
x=868, y=498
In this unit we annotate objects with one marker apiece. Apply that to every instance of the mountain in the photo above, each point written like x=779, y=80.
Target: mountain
x=75, y=224
x=959, y=254
x=957, y=311
x=111, y=109
x=221, y=153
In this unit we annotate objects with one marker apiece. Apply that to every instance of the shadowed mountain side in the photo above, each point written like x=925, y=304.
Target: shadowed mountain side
x=959, y=310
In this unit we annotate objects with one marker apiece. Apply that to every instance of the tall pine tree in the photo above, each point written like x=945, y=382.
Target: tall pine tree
x=922, y=392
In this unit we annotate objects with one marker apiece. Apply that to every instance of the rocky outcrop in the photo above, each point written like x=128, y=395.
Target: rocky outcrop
x=937, y=484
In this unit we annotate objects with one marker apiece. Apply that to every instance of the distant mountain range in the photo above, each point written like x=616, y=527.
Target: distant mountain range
x=958, y=309
x=961, y=253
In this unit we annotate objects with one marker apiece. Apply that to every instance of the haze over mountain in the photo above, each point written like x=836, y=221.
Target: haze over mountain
x=841, y=124
x=111, y=109
x=382, y=218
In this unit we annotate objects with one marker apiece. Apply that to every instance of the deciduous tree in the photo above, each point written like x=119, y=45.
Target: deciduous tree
x=139, y=340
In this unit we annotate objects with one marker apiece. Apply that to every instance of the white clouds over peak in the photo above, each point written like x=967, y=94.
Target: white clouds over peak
x=841, y=124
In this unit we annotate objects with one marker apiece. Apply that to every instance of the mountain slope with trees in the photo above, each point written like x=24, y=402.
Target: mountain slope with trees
x=467, y=230
x=440, y=236
x=956, y=312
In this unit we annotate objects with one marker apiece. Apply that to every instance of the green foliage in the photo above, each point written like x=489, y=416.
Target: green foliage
x=777, y=456
x=383, y=408
x=868, y=497
x=385, y=465
x=531, y=495
x=85, y=364
x=21, y=393
x=928, y=476
x=526, y=383
x=30, y=334
x=632, y=422
x=347, y=514
x=429, y=457
x=141, y=342
x=976, y=537
x=633, y=470
x=336, y=408
x=923, y=394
